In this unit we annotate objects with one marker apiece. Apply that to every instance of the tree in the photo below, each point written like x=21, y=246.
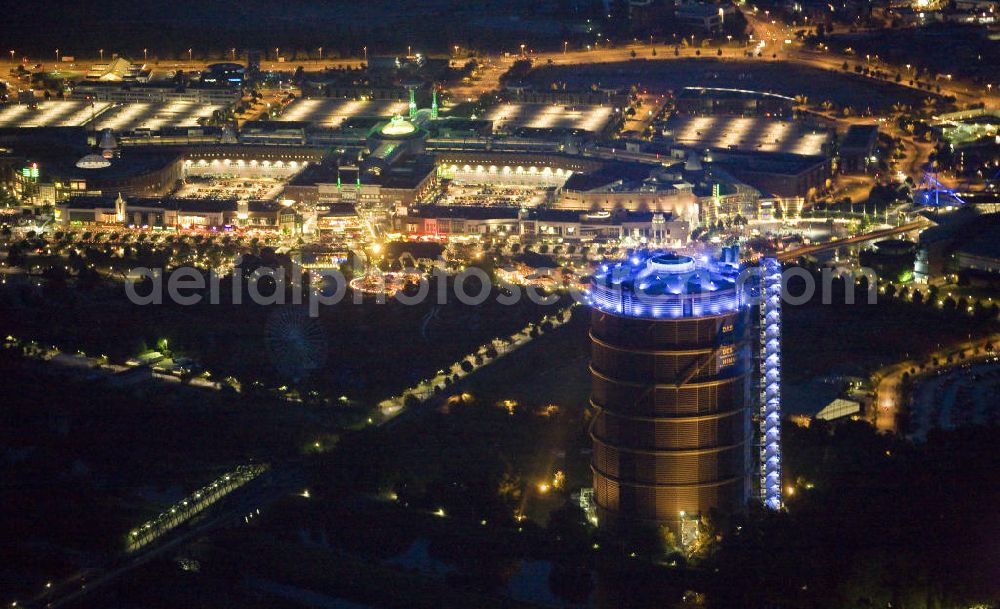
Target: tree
x=667, y=539
x=15, y=255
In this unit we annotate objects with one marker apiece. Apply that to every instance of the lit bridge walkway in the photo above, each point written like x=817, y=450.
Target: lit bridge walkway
x=877, y=235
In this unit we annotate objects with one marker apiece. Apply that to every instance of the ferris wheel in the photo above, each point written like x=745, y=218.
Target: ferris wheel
x=296, y=342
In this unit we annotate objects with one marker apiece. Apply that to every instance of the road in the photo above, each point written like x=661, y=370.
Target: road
x=172, y=65
x=889, y=381
x=773, y=34
x=808, y=250
x=764, y=29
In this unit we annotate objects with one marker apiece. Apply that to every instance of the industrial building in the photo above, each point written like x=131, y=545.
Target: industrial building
x=679, y=360
x=963, y=243
x=857, y=148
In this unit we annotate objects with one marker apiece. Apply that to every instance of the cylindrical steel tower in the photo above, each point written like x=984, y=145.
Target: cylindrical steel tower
x=672, y=435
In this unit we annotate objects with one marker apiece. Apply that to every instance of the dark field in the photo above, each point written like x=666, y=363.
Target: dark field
x=83, y=462
x=367, y=352
x=816, y=84
x=963, y=51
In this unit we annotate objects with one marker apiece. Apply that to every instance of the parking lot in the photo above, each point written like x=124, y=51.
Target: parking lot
x=492, y=195
x=965, y=395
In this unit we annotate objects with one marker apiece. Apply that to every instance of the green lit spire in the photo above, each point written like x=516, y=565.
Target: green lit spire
x=413, y=102
x=434, y=102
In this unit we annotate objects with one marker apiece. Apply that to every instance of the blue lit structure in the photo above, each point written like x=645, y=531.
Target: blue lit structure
x=671, y=362
x=770, y=383
x=664, y=284
x=932, y=193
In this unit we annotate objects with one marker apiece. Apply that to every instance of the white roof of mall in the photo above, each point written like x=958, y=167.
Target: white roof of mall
x=155, y=115
x=754, y=134
x=544, y=116
x=51, y=113
x=332, y=112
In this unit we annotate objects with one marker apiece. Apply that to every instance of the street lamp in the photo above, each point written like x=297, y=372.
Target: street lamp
x=145, y=55
x=366, y=54
x=12, y=55
x=276, y=49
x=101, y=52
x=190, y=54
x=522, y=49
x=233, y=51
x=321, y=53
x=565, y=46
x=57, y=54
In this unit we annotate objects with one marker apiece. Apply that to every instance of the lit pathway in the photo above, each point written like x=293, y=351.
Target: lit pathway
x=393, y=406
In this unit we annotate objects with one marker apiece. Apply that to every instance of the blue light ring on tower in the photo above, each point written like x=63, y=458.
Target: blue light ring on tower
x=623, y=301
x=664, y=285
